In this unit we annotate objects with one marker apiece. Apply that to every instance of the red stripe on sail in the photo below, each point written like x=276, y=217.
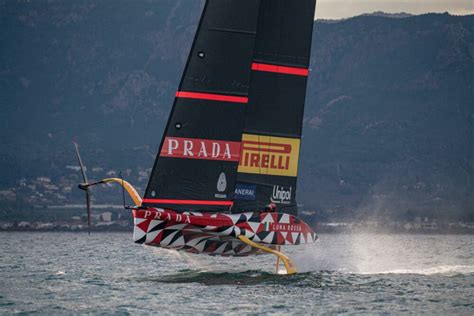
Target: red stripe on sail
x=280, y=69
x=211, y=96
x=188, y=202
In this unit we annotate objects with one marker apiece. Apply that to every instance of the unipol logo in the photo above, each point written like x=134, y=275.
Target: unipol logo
x=192, y=148
x=269, y=155
x=281, y=195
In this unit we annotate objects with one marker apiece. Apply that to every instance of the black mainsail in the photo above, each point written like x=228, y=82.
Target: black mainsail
x=196, y=167
x=233, y=136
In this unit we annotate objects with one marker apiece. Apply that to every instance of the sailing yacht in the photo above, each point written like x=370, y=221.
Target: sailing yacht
x=224, y=179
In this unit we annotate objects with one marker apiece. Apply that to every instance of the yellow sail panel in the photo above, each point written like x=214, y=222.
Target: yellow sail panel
x=269, y=155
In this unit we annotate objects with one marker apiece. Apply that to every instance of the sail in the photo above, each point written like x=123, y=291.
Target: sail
x=268, y=165
x=196, y=166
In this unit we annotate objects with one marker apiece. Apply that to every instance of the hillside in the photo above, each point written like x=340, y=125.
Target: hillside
x=388, y=126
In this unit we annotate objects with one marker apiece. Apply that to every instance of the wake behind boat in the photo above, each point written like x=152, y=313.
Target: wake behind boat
x=224, y=180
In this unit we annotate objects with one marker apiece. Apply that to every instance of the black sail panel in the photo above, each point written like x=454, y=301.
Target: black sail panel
x=268, y=164
x=196, y=167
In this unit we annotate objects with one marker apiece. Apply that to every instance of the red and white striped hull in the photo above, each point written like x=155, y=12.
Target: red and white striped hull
x=217, y=233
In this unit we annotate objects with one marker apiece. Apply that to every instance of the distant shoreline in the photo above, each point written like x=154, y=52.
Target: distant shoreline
x=318, y=230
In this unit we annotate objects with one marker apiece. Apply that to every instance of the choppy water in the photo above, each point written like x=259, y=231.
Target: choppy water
x=56, y=273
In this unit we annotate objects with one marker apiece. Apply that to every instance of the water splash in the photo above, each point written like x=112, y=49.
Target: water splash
x=384, y=254
x=363, y=254
x=444, y=270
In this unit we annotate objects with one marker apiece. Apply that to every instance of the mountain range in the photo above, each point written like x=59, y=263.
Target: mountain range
x=388, y=126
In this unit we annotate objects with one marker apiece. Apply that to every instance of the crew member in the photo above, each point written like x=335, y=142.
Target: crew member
x=270, y=207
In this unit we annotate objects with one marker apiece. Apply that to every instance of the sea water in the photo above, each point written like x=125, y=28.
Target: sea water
x=64, y=273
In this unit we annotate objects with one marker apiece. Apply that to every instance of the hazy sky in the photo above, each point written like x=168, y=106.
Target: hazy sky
x=336, y=9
